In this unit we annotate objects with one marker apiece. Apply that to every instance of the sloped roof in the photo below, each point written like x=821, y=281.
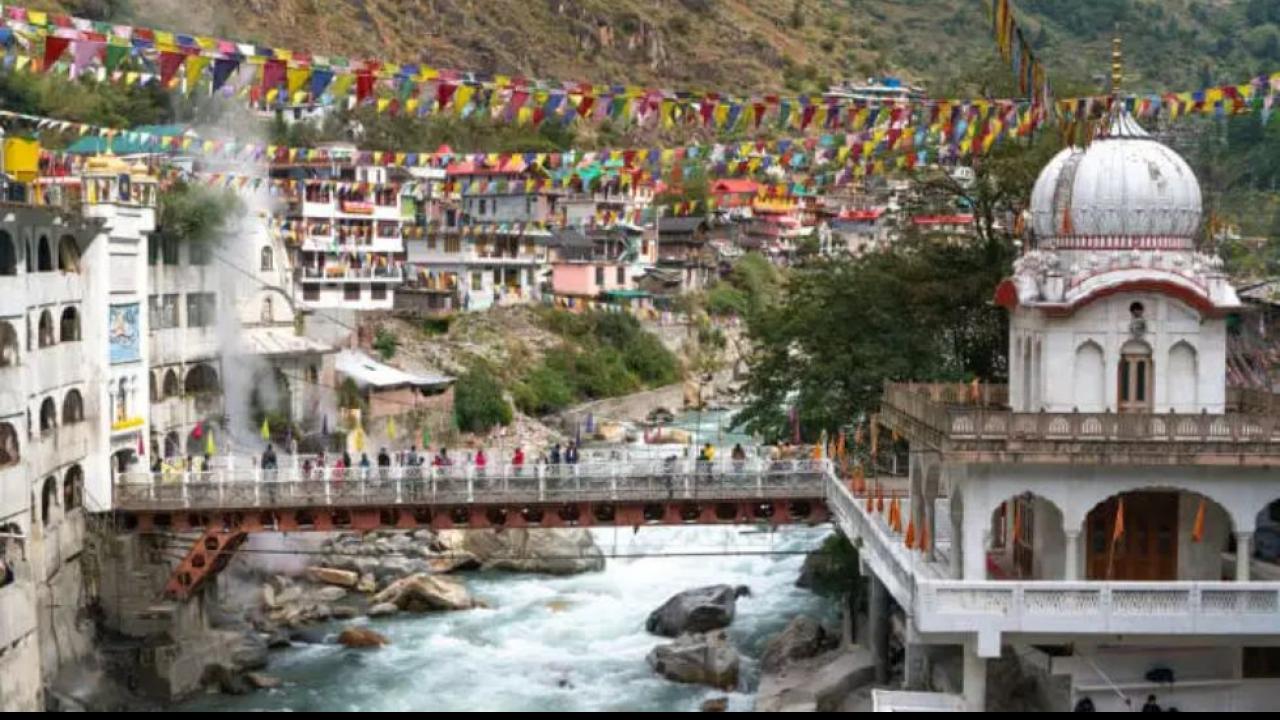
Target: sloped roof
x=367, y=372
x=128, y=143
x=680, y=224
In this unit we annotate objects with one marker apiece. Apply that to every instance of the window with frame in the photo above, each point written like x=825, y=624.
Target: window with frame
x=310, y=292
x=477, y=280
x=599, y=275
x=378, y=291
x=202, y=309
x=453, y=244
x=351, y=291
x=621, y=275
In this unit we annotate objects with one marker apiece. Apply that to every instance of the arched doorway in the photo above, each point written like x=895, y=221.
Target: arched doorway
x=68, y=254
x=48, y=500
x=73, y=489
x=8, y=254
x=48, y=415
x=10, y=452
x=1156, y=535
x=73, y=407
x=44, y=255
x=8, y=345
x=1027, y=540
x=69, y=327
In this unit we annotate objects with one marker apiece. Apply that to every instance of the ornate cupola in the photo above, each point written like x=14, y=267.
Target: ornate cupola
x=1113, y=300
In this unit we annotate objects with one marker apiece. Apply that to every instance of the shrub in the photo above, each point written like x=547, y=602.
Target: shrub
x=436, y=325
x=478, y=403
x=546, y=390
x=386, y=343
x=650, y=360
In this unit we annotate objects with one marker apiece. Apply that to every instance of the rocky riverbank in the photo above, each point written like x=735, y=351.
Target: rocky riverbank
x=355, y=576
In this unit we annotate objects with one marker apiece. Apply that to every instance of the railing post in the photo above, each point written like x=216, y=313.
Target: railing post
x=326, y=476
x=399, y=475
x=471, y=484
x=541, y=471
x=257, y=488
x=613, y=481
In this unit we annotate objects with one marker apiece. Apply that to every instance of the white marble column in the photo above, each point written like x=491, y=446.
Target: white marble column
x=1244, y=552
x=1072, y=566
x=975, y=554
x=975, y=680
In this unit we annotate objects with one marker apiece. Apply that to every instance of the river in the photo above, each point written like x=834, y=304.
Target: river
x=554, y=643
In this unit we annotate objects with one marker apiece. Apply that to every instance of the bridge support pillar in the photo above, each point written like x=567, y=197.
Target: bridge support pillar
x=916, y=666
x=975, y=680
x=878, y=627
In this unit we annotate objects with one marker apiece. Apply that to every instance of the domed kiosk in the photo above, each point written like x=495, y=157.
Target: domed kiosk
x=1113, y=308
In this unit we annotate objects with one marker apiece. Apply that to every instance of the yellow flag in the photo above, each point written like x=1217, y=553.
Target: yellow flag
x=266, y=430
x=195, y=66
x=391, y=428
x=296, y=78
x=210, y=447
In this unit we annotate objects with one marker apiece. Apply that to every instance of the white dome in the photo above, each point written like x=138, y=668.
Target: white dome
x=1125, y=185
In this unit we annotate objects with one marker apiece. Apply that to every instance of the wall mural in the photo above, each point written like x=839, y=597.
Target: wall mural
x=124, y=337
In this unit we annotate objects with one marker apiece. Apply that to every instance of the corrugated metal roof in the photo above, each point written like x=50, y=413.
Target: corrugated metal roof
x=369, y=372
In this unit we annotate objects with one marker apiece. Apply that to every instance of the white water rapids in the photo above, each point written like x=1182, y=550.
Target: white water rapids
x=571, y=644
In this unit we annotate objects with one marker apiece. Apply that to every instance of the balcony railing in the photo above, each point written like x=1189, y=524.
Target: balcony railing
x=939, y=604
x=309, y=274
x=966, y=413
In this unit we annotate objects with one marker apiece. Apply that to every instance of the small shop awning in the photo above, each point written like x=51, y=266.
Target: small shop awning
x=367, y=372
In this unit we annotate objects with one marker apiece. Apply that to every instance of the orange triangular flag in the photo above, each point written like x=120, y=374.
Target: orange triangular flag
x=911, y=534
x=871, y=504
x=895, y=515
x=1197, y=530
x=924, y=536
x=1017, y=521
x=1118, y=532
x=879, y=501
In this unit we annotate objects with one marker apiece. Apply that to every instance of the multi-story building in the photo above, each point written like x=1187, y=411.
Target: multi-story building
x=73, y=405
x=347, y=224
x=1093, y=521
x=490, y=247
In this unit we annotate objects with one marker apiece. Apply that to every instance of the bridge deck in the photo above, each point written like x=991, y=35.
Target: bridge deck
x=642, y=481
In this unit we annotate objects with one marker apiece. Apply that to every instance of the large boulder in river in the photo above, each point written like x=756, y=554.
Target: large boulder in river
x=803, y=638
x=333, y=576
x=693, y=611
x=542, y=550
x=426, y=593
x=698, y=658
x=361, y=637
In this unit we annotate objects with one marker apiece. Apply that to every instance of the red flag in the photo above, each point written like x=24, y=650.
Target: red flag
x=364, y=86
x=53, y=49
x=198, y=430
x=1197, y=530
x=169, y=64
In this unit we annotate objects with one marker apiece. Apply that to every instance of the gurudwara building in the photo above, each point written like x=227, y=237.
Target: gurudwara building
x=1095, y=517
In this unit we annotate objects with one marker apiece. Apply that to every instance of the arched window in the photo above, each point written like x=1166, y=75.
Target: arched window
x=69, y=326
x=44, y=255
x=48, y=499
x=8, y=345
x=267, y=315
x=45, y=333
x=68, y=254
x=1183, y=377
x=1135, y=377
x=1088, y=378
x=171, y=387
x=72, y=407
x=73, y=489
x=268, y=259
x=201, y=379
x=8, y=254
x=48, y=415
x=10, y=453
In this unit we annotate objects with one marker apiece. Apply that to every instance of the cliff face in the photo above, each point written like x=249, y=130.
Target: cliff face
x=741, y=45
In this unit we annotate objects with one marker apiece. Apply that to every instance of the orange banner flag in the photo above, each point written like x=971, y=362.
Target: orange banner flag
x=910, y=540
x=1118, y=532
x=924, y=537
x=1197, y=530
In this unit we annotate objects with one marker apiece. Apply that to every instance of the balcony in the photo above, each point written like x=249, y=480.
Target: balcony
x=975, y=424
x=938, y=603
x=340, y=274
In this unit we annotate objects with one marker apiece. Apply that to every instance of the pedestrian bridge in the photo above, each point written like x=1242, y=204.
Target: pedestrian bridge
x=227, y=503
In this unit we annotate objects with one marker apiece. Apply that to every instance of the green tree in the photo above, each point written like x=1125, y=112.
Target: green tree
x=386, y=343
x=478, y=403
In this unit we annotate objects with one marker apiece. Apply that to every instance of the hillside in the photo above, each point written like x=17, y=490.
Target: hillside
x=742, y=45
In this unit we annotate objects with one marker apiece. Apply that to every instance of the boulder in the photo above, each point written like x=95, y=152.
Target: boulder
x=308, y=636
x=382, y=609
x=361, y=637
x=344, y=612
x=268, y=595
x=803, y=638
x=715, y=704
x=333, y=576
x=328, y=594
x=262, y=681
x=610, y=431
x=693, y=611
x=425, y=593
x=697, y=658
x=367, y=584
x=288, y=596
x=542, y=550
x=249, y=653
x=453, y=562
x=817, y=684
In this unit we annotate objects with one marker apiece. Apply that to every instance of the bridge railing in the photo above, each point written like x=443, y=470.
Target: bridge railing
x=656, y=480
